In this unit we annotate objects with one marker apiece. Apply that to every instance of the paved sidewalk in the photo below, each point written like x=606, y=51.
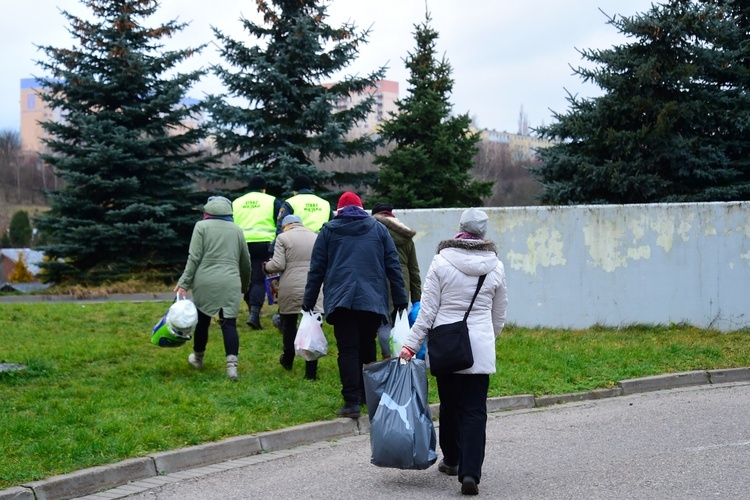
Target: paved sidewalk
x=666, y=445
x=539, y=449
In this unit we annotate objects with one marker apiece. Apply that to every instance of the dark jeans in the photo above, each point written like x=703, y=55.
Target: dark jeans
x=288, y=333
x=355, y=333
x=259, y=253
x=463, y=421
x=228, y=331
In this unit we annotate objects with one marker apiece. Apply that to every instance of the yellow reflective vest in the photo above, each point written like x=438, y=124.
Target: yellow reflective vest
x=313, y=210
x=253, y=212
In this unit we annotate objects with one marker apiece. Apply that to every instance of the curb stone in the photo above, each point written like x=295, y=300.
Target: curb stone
x=112, y=297
x=149, y=472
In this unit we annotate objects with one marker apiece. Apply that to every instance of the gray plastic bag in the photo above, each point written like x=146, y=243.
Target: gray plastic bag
x=402, y=434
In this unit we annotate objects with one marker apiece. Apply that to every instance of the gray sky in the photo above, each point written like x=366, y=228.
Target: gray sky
x=504, y=54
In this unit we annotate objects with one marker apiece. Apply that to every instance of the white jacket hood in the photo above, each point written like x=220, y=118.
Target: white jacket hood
x=471, y=257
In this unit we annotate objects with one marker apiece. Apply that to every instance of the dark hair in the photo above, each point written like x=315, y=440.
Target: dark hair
x=301, y=182
x=381, y=207
x=257, y=182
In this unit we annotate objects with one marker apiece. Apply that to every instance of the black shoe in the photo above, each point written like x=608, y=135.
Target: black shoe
x=253, y=321
x=349, y=411
x=276, y=320
x=286, y=366
x=469, y=486
x=451, y=470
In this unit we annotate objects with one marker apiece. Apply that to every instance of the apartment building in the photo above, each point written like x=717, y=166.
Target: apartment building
x=35, y=110
x=385, y=94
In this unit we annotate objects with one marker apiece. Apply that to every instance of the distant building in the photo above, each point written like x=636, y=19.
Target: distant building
x=34, y=110
x=525, y=147
x=8, y=259
x=521, y=147
x=385, y=94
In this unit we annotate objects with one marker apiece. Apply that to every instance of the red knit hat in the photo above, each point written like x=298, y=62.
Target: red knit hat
x=347, y=199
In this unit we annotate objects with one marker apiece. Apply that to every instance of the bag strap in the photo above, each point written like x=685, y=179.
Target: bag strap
x=479, y=285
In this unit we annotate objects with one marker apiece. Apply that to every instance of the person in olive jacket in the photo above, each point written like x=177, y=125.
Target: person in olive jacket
x=354, y=259
x=218, y=273
x=403, y=237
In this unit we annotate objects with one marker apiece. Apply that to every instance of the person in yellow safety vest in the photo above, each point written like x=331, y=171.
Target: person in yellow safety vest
x=313, y=210
x=256, y=214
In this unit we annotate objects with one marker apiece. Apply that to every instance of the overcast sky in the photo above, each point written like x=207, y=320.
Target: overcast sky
x=505, y=55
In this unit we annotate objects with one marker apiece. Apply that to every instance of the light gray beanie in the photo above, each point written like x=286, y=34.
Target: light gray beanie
x=474, y=221
x=290, y=219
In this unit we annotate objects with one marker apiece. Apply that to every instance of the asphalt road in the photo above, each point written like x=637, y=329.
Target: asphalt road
x=691, y=443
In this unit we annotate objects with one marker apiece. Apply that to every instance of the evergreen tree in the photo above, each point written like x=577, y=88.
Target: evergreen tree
x=433, y=153
x=128, y=163
x=19, y=229
x=673, y=123
x=283, y=113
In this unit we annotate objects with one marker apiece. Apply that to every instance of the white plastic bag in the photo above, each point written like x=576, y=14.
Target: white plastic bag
x=182, y=316
x=399, y=332
x=310, y=342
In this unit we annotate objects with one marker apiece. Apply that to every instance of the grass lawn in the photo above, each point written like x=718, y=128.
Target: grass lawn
x=96, y=390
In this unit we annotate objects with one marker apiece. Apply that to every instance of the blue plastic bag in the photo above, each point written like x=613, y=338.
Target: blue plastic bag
x=413, y=313
x=402, y=434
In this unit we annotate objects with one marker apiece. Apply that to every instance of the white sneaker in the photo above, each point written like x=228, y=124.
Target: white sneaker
x=232, y=367
x=196, y=360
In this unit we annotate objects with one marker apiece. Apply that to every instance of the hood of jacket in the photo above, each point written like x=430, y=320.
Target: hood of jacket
x=398, y=230
x=218, y=205
x=471, y=257
x=350, y=227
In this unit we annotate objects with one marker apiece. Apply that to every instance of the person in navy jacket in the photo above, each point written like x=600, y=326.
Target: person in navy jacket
x=355, y=260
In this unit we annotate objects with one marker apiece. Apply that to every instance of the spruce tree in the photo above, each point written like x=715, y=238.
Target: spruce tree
x=433, y=151
x=672, y=125
x=19, y=230
x=128, y=163
x=276, y=111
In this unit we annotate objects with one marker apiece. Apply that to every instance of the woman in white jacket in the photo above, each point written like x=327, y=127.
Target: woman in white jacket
x=449, y=286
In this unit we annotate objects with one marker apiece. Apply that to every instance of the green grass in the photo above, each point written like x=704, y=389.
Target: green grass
x=96, y=391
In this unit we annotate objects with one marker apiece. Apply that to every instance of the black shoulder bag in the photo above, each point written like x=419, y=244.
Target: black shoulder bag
x=449, y=346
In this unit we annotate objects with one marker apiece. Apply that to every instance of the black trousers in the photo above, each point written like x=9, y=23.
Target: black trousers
x=288, y=333
x=228, y=331
x=259, y=253
x=355, y=333
x=463, y=421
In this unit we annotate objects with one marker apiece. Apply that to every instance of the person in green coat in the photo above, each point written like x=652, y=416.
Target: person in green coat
x=218, y=273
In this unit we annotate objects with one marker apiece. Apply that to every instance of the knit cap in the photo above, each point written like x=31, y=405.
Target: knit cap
x=474, y=221
x=347, y=199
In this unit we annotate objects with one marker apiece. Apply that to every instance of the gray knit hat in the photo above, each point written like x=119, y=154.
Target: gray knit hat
x=290, y=219
x=474, y=221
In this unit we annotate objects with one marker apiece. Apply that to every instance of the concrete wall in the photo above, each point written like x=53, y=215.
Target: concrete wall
x=613, y=265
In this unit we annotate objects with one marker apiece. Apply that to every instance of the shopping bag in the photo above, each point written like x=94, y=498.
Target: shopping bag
x=413, y=313
x=402, y=434
x=399, y=332
x=310, y=342
x=272, y=288
x=176, y=327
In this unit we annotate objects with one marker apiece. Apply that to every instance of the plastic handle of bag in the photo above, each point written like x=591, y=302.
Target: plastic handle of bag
x=314, y=315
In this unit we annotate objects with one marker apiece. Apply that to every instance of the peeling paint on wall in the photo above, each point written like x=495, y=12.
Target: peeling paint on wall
x=545, y=249
x=603, y=238
x=663, y=226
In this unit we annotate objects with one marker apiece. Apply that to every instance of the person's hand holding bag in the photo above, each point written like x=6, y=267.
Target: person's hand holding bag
x=406, y=354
